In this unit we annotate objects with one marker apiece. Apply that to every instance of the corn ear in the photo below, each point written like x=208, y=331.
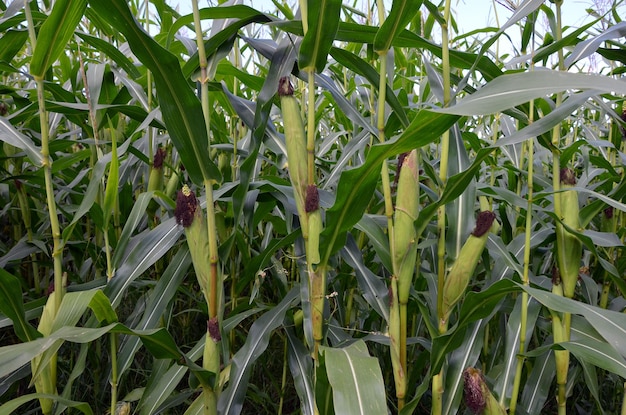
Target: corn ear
x=404, y=233
x=569, y=247
x=314, y=219
x=477, y=395
x=463, y=268
x=189, y=214
x=155, y=181
x=295, y=138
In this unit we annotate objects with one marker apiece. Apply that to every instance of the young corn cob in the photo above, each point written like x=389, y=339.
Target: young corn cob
x=312, y=209
x=405, y=237
x=295, y=138
x=189, y=214
x=404, y=255
x=155, y=181
x=569, y=247
x=465, y=264
x=478, y=397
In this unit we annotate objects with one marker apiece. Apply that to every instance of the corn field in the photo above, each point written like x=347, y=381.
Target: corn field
x=329, y=207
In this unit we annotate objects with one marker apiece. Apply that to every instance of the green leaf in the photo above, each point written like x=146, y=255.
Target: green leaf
x=356, y=379
x=111, y=190
x=156, y=303
x=356, y=186
x=402, y=12
x=323, y=21
x=540, y=380
x=246, y=14
x=586, y=48
x=54, y=34
x=231, y=400
x=10, y=407
x=610, y=324
x=475, y=307
x=163, y=383
x=11, y=43
x=374, y=289
x=10, y=135
x=180, y=107
x=361, y=67
x=508, y=91
x=102, y=309
x=149, y=247
x=301, y=366
x=112, y=52
x=11, y=305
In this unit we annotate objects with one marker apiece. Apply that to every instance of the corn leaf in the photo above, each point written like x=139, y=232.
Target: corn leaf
x=111, y=189
x=180, y=107
x=231, y=400
x=10, y=135
x=509, y=91
x=323, y=22
x=54, y=34
x=11, y=406
x=356, y=186
x=610, y=324
x=356, y=380
x=11, y=305
x=402, y=12
x=301, y=367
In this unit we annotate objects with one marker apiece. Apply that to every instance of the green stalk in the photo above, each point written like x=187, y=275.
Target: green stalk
x=404, y=248
x=560, y=327
x=525, y=276
x=47, y=380
x=211, y=357
x=114, y=374
x=437, y=386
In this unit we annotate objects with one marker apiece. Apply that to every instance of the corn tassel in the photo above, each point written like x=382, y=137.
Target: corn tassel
x=569, y=247
x=465, y=264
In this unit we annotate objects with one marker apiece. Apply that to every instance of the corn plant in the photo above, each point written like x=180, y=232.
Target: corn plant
x=324, y=208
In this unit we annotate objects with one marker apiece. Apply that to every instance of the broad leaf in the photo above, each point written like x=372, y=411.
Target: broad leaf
x=356, y=186
x=180, y=107
x=231, y=400
x=356, y=380
x=12, y=306
x=322, y=17
x=402, y=12
x=54, y=34
x=509, y=91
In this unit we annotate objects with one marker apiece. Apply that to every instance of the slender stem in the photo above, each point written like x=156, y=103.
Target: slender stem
x=525, y=276
x=437, y=385
x=283, y=379
x=114, y=374
x=211, y=357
